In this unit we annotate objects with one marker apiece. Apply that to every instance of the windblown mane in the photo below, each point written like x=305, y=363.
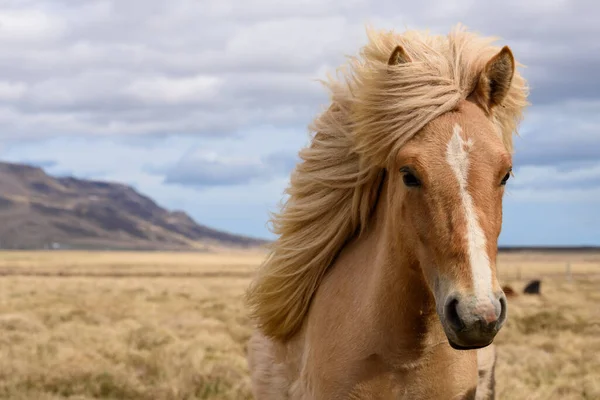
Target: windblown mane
x=374, y=110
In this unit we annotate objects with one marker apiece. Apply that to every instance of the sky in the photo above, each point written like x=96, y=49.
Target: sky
x=204, y=105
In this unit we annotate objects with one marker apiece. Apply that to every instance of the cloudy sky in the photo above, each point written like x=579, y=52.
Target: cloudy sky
x=203, y=105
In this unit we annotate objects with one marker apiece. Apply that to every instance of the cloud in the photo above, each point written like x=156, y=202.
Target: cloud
x=161, y=90
x=200, y=169
x=564, y=133
x=41, y=163
x=220, y=67
x=556, y=178
x=29, y=26
x=88, y=69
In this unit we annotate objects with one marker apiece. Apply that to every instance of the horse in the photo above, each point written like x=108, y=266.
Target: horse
x=382, y=281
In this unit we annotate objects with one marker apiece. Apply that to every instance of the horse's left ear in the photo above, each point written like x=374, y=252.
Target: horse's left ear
x=399, y=56
x=495, y=79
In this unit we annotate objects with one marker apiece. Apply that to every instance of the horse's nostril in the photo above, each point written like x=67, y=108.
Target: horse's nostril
x=502, y=316
x=452, y=314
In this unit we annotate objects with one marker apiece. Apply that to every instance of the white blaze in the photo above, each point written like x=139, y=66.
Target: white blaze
x=457, y=155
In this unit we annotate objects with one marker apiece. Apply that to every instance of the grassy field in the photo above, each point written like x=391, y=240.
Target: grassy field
x=172, y=326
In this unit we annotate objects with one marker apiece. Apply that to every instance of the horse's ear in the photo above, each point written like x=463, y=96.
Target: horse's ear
x=495, y=79
x=399, y=56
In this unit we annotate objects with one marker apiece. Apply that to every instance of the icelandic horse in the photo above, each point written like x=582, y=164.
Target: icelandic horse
x=382, y=281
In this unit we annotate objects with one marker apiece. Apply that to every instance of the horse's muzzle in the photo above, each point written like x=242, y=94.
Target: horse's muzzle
x=472, y=323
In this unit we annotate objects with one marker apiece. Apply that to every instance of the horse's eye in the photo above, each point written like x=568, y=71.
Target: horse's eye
x=410, y=179
x=506, y=177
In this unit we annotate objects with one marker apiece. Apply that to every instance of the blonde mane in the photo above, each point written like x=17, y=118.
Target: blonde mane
x=375, y=108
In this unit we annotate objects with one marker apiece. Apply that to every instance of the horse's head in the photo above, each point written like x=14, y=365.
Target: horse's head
x=449, y=183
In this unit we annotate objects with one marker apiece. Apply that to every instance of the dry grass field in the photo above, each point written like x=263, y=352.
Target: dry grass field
x=77, y=325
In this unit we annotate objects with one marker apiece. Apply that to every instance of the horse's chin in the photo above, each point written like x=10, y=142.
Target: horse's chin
x=456, y=346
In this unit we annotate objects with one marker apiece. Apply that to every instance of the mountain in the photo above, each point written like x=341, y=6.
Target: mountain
x=40, y=211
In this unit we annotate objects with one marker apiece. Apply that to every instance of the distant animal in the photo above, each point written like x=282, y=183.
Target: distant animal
x=382, y=282
x=509, y=291
x=533, y=287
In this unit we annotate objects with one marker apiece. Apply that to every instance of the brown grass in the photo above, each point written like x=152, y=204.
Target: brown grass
x=172, y=326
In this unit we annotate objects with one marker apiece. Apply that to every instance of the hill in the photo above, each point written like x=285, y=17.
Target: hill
x=40, y=211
